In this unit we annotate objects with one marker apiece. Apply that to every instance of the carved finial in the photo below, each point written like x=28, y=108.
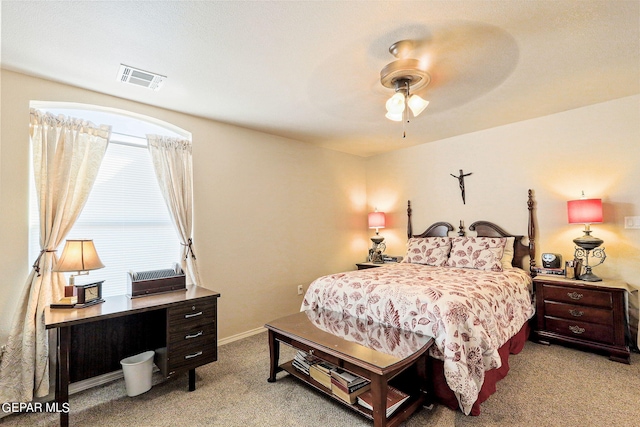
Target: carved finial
x=409, y=227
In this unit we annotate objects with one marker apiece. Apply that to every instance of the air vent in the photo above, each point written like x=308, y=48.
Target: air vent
x=139, y=77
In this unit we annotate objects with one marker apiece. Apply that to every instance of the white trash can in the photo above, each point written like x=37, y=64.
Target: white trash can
x=137, y=372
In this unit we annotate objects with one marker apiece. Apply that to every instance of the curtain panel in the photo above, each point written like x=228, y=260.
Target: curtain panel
x=67, y=153
x=173, y=164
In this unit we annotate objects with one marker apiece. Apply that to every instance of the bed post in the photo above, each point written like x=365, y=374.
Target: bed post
x=532, y=233
x=409, y=228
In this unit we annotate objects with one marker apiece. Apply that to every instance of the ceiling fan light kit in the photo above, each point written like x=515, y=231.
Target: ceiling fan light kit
x=404, y=75
x=396, y=117
x=417, y=104
x=395, y=104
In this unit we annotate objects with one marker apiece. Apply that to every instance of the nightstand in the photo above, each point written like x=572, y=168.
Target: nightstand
x=365, y=265
x=591, y=315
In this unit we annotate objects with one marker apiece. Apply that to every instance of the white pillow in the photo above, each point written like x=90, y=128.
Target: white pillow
x=507, y=256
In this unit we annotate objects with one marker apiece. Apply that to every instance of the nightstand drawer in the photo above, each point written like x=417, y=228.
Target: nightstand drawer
x=574, y=295
x=580, y=330
x=577, y=312
x=586, y=314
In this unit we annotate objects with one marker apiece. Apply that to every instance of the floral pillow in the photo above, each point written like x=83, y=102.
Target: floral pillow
x=481, y=253
x=428, y=250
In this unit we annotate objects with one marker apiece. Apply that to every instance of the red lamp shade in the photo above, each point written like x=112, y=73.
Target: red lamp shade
x=376, y=220
x=584, y=211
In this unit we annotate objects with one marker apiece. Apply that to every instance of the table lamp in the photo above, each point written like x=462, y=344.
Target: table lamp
x=587, y=211
x=377, y=221
x=80, y=256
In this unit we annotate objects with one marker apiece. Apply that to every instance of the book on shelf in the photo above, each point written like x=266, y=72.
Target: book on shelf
x=344, y=377
x=349, y=394
x=549, y=271
x=321, y=373
x=395, y=398
x=355, y=385
x=303, y=361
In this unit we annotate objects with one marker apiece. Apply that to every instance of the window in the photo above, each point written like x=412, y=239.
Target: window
x=125, y=214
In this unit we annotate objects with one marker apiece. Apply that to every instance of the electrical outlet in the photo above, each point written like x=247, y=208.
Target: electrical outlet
x=632, y=222
x=299, y=289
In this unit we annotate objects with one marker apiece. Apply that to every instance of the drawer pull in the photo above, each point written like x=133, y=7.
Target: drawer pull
x=191, y=356
x=188, y=337
x=574, y=295
x=576, y=313
x=189, y=316
x=576, y=329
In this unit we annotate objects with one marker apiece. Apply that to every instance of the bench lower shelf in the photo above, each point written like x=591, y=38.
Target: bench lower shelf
x=401, y=414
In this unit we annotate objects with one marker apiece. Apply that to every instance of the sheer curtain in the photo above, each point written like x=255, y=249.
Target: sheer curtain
x=172, y=162
x=66, y=157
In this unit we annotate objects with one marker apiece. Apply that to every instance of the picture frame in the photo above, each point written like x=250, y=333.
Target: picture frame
x=573, y=268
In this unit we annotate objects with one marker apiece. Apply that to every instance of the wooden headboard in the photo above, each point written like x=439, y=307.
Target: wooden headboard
x=488, y=229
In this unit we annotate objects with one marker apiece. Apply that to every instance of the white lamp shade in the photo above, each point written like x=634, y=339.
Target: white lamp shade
x=395, y=104
x=79, y=255
x=395, y=117
x=376, y=220
x=417, y=104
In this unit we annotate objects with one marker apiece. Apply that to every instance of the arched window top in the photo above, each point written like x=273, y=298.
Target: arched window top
x=126, y=127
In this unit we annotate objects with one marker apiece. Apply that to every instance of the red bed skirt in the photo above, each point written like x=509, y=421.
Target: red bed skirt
x=445, y=396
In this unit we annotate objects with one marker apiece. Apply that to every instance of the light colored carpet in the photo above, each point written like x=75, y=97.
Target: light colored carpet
x=547, y=386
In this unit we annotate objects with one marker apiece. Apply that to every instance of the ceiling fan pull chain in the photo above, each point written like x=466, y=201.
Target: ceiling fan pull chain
x=404, y=121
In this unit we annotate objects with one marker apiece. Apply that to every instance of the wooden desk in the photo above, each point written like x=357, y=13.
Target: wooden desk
x=321, y=333
x=93, y=340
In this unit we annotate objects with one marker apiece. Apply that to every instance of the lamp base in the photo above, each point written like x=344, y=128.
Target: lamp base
x=583, y=255
x=588, y=276
x=377, y=239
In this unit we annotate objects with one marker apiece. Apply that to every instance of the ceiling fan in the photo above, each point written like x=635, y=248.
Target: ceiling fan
x=404, y=75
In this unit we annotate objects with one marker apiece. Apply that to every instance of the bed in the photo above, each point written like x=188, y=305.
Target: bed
x=473, y=294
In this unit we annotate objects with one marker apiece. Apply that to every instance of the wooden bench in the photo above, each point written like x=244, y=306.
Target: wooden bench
x=376, y=352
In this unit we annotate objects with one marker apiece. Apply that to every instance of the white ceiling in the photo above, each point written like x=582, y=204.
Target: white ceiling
x=310, y=70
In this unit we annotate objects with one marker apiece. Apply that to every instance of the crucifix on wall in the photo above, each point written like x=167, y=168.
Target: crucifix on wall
x=461, y=183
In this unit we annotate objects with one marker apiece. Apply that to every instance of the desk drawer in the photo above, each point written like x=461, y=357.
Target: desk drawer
x=580, y=330
x=192, y=313
x=189, y=358
x=194, y=336
x=577, y=312
x=576, y=295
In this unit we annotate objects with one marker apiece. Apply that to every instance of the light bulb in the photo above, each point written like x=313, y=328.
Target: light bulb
x=395, y=104
x=417, y=105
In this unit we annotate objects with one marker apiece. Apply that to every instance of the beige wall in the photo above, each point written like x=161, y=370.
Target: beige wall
x=595, y=149
x=270, y=213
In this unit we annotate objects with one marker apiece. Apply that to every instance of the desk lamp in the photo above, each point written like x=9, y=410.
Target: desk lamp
x=587, y=211
x=79, y=256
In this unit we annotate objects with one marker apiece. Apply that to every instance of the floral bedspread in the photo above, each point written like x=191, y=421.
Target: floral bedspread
x=397, y=343
x=469, y=313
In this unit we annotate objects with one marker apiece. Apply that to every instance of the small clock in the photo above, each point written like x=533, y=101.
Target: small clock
x=551, y=260
x=89, y=294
